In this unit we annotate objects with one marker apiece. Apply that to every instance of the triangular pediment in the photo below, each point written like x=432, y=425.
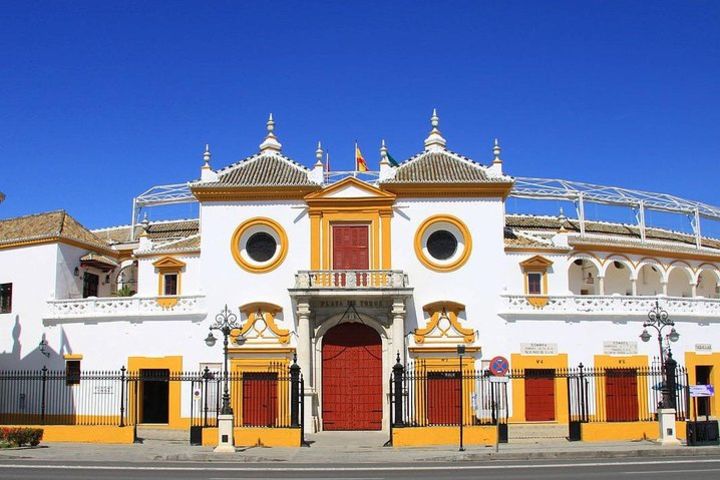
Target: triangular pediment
x=169, y=262
x=348, y=190
x=537, y=262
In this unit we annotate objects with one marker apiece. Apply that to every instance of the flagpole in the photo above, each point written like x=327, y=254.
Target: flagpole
x=356, y=162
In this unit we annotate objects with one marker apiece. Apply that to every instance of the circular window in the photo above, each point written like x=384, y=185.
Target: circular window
x=443, y=243
x=259, y=245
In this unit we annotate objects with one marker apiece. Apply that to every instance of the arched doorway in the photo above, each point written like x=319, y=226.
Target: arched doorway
x=352, y=378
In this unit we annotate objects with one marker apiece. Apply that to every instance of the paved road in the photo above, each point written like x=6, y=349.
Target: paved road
x=660, y=469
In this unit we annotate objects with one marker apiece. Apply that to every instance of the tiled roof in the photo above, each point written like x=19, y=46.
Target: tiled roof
x=96, y=258
x=157, y=231
x=514, y=238
x=262, y=169
x=47, y=226
x=443, y=167
x=533, y=222
x=189, y=244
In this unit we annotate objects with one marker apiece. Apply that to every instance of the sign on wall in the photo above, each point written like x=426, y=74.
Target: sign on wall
x=702, y=391
x=703, y=348
x=538, y=348
x=618, y=347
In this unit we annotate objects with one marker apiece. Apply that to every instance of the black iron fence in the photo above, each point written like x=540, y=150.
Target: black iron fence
x=271, y=398
x=422, y=396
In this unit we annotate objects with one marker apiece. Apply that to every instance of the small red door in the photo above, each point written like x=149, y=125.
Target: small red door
x=443, y=398
x=259, y=405
x=621, y=397
x=352, y=378
x=539, y=395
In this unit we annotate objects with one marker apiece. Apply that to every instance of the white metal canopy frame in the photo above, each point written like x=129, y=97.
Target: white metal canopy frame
x=579, y=193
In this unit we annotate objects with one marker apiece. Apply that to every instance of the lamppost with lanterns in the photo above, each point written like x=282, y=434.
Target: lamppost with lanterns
x=659, y=319
x=225, y=322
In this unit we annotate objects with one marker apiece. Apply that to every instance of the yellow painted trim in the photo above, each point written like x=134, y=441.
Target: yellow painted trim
x=692, y=360
x=217, y=194
x=536, y=263
x=315, y=242
x=270, y=350
x=523, y=362
x=72, y=356
x=449, y=350
x=452, y=190
x=385, y=225
x=450, y=310
x=511, y=249
x=169, y=263
x=371, y=219
x=252, y=436
x=429, y=262
x=323, y=197
x=166, y=303
x=67, y=241
x=173, y=364
x=83, y=433
x=424, y=436
x=538, y=301
x=267, y=312
x=617, y=431
x=242, y=228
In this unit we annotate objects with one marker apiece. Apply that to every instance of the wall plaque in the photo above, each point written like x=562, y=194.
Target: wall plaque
x=703, y=348
x=618, y=347
x=538, y=348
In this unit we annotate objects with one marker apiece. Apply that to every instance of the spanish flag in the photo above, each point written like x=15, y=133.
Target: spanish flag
x=360, y=165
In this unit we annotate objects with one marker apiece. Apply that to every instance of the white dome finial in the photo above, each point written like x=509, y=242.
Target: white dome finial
x=207, y=155
x=435, y=141
x=270, y=144
x=496, y=152
x=319, y=153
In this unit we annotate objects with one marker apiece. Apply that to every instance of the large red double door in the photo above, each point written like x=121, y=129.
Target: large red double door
x=352, y=378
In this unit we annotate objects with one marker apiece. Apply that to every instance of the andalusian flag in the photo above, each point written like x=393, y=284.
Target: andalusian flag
x=392, y=161
x=360, y=165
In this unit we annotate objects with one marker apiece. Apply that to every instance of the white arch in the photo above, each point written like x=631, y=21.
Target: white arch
x=617, y=280
x=607, y=261
x=585, y=256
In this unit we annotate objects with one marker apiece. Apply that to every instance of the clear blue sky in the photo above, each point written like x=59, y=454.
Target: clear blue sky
x=101, y=100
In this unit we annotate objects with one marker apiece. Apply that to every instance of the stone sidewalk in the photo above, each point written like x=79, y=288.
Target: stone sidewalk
x=346, y=447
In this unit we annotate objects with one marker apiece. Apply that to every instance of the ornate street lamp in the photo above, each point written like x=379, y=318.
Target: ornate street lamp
x=225, y=322
x=659, y=319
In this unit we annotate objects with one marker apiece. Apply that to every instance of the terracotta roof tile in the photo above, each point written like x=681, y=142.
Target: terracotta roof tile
x=443, y=167
x=272, y=170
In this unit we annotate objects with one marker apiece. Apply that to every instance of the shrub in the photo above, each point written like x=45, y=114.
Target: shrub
x=18, y=436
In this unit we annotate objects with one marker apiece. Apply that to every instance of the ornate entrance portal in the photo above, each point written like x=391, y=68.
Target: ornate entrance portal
x=352, y=378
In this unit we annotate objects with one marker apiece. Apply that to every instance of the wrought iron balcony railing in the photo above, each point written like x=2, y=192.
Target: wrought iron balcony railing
x=351, y=279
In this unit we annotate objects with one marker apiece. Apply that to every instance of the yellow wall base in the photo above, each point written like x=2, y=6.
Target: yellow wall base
x=605, y=432
x=247, y=437
x=84, y=433
x=422, y=436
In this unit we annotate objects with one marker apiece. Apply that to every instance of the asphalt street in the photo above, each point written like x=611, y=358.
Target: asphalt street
x=655, y=469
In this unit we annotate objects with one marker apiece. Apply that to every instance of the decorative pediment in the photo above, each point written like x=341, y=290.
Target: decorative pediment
x=444, y=326
x=260, y=326
x=169, y=263
x=536, y=263
x=349, y=190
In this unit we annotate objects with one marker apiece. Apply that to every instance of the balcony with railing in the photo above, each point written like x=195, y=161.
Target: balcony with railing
x=350, y=281
x=189, y=307
x=611, y=306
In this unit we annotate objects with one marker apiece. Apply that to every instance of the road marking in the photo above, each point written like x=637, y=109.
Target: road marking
x=245, y=468
x=648, y=472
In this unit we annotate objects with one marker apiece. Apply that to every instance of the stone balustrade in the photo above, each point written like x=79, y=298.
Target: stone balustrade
x=606, y=305
x=351, y=279
x=136, y=307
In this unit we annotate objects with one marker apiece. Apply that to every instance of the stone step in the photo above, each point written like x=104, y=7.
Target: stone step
x=150, y=433
x=537, y=431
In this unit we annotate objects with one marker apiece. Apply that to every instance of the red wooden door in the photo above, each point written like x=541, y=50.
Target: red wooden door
x=259, y=406
x=621, y=397
x=351, y=250
x=539, y=395
x=443, y=398
x=352, y=378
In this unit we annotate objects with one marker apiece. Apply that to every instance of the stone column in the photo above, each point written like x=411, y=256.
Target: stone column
x=304, y=353
x=601, y=285
x=664, y=285
x=398, y=328
x=633, y=286
x=693, y=289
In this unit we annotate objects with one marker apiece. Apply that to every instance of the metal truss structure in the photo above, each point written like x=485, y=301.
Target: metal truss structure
x=579, y=193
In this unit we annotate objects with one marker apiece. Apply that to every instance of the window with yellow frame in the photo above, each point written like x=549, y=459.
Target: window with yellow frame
x=535, y=271
x=169, y=280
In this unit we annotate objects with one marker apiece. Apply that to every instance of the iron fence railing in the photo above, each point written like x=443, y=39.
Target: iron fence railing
x=271, y=398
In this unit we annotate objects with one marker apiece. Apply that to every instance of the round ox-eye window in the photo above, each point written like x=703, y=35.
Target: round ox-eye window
x=442, y=244
x=261, y=246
